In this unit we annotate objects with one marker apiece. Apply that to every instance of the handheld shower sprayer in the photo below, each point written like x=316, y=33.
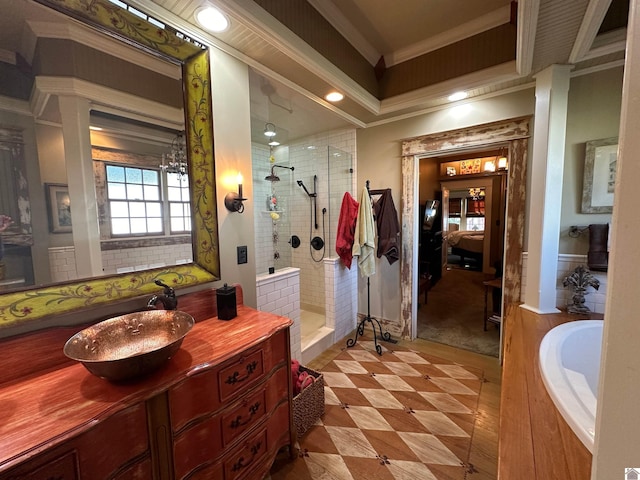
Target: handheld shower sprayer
x=301, y=184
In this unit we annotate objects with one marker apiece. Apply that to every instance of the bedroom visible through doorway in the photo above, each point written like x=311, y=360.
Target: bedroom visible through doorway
x=460, y=249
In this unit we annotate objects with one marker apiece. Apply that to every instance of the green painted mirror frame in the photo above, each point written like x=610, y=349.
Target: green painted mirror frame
x=34, y=304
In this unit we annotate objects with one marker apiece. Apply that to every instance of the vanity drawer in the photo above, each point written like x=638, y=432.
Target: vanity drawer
x=103, y=451
x=241, y=374
x=207, y=439
x=64, y=467
x=213, y=389
x=253, y=458
x=193, y=398
x=241, y=418
x=246, y=457
x=253, y=408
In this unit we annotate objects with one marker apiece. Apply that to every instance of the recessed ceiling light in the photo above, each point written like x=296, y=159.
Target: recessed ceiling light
x=212, y=19
x=454, y=97
x=334, y=96
x=274, y=143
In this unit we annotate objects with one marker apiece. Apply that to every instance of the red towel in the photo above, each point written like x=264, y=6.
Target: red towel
x=346, y=228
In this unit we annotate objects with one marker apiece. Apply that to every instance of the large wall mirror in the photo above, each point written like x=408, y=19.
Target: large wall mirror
x=100, y=109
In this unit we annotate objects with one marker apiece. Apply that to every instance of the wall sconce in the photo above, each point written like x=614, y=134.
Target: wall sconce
x=233, y=201
x=503, y=163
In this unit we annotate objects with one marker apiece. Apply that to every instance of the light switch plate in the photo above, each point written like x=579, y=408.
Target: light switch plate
x=242, y=254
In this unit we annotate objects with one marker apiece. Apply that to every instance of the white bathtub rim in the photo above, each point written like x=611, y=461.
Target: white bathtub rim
x=578, y=415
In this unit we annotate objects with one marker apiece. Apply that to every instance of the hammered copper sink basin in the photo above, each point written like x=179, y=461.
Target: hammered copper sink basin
x=131, y=345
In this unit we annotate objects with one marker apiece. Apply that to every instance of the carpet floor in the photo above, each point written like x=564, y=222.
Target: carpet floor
x=404, y=415
x=454, y=313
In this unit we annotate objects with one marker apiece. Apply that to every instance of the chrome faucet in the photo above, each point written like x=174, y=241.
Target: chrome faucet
x=167, y=298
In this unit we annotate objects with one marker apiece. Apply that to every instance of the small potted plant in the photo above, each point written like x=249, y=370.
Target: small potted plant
x=580, y=280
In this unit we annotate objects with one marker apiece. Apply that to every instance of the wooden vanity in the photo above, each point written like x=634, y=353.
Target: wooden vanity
x=219, y=409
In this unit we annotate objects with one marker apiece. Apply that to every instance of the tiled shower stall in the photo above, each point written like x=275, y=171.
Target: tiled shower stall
x=327, y=301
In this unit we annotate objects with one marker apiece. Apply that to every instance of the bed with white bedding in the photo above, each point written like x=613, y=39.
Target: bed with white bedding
x=466, y=243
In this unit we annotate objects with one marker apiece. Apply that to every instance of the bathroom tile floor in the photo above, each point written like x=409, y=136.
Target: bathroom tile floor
x=402, y=415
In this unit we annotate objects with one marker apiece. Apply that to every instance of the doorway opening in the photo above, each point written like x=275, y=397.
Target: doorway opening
x=512, y=133
x=461, y=249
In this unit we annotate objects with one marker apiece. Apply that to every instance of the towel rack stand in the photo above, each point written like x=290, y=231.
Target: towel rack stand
x=386, y=336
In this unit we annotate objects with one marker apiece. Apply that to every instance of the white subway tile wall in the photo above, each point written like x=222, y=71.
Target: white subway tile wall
x=62, y=260
x=595, y=299
x=328, y=156
x=317, y=155
x=143, y=258
x=265, y=226
x=324, y=284
x=62, y=263
x=279, y=293
x=342, y=293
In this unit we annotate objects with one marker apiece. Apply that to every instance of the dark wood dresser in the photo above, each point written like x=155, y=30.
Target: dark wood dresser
x=219, y=409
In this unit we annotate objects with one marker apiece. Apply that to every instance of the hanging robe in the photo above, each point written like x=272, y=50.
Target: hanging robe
x=346, y=229
x=388, y=227
x=364, y=237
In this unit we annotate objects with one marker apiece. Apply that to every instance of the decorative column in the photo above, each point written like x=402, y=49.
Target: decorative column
x=552, y=89
x=82, y=192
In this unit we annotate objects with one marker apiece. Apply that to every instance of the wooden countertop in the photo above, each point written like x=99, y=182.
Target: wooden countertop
x=535, y=441
x=45, y=409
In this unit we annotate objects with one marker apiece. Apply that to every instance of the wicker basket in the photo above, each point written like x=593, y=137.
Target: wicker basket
x=308, y=405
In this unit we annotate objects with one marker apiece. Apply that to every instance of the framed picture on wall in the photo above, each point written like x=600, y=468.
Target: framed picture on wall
x=58, y=207
x=470, y=166
x=601, y=157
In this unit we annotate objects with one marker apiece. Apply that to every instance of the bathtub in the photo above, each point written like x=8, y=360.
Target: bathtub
x=570, y=367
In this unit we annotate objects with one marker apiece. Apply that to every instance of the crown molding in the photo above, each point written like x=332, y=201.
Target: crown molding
x=478, y=25
x=597, y=68
x=499, y=73
x=606, y=44
x=334, y=16
x=352, y=90
x=273, y=32
x=103, y=43
x=106, y=100
x=14, y=105
x=596, y=11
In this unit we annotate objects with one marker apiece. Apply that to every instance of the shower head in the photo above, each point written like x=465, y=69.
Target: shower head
x=272, y=177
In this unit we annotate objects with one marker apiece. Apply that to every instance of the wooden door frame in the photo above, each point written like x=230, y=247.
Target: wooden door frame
x=512, y=132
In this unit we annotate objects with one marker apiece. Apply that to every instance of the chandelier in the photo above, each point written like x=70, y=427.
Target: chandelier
x=175, y=161
x=476, y=193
